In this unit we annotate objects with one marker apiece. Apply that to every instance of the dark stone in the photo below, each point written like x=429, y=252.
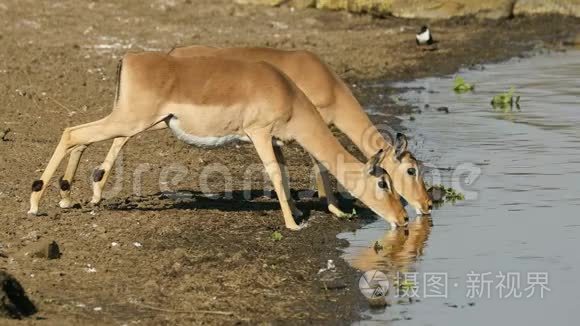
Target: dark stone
x=13, y=300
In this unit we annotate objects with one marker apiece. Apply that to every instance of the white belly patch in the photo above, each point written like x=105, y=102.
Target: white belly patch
x=203, y=141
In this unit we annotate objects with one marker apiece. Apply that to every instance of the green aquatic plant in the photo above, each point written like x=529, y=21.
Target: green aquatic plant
x=505, y=99
x=349, y=216
x=407, y=285
x=276, y=236
x=452, y=195
x=440, y=194
x=377, y=246
x=460, y=86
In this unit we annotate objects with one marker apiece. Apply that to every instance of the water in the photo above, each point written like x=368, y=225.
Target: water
x=521, y=216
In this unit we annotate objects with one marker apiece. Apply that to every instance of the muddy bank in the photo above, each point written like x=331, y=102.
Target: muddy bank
x=155, y=258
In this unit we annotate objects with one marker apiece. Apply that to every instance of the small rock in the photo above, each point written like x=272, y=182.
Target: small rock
x=4, y=133
x=32, y=235
x=47, y=249
x=90, y=269
x=279, y=25
x=333, y=284
x=443, y=109
x=377, y=302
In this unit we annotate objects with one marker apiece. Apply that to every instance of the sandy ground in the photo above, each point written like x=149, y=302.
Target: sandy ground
x=155, y=258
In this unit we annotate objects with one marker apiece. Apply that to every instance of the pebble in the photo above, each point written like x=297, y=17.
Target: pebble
x=47, y=249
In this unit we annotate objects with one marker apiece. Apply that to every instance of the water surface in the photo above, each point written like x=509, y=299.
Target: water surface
x=522, y=212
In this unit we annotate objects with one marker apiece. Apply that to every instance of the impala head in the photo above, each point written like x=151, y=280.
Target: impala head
x=379, y=194
x=407, y=178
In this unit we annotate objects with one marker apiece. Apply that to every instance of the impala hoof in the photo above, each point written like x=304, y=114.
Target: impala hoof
x=296, y=213
x=296, y=227
x=65, y=203
x=32, y=213
x=337, y=211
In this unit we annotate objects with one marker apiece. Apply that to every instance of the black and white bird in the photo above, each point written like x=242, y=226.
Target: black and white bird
x=424, y=36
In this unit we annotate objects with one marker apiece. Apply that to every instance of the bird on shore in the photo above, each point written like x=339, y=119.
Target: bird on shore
x=424, y=36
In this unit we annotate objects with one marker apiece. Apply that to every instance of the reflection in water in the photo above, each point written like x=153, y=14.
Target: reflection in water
x=397, y=250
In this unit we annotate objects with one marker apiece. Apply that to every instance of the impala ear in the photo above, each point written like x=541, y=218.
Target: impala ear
x=373, y=166
x=401, y=143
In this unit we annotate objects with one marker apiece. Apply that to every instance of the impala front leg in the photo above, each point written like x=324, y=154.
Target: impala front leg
x=325, y=189
x=284, y=168
x=262, y=140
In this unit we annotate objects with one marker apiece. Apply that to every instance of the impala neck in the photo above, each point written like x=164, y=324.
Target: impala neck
x=357, y=126
x=312, y=133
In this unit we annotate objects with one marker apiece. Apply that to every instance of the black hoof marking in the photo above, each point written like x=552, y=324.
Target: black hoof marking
x=64, y=185
x=98, y=175
x=37, y=185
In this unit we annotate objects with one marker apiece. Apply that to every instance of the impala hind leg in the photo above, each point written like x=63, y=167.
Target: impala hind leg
x=262, y=140
x=325, y=189
x=285, y=180
x=101, y=174
x=74, y=137
x=67, y=179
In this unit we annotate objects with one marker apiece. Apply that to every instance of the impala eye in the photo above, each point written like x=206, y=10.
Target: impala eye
x=383, y=184
x=412, y=171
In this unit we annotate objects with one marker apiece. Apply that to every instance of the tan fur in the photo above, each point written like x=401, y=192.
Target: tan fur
x=212, y=96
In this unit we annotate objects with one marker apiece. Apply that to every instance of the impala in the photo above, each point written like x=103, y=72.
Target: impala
x=208, y=101
x=335, y=103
